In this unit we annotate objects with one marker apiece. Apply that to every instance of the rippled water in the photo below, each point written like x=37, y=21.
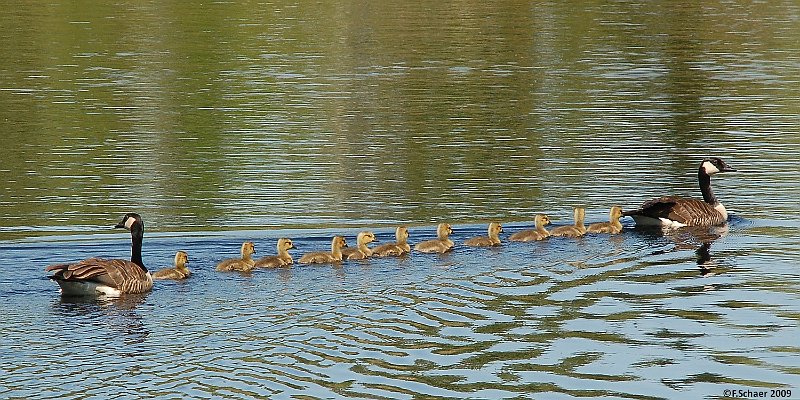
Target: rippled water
x=224, y=122
x=639, y=315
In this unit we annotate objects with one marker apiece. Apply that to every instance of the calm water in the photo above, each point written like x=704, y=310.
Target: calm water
x=223, y=122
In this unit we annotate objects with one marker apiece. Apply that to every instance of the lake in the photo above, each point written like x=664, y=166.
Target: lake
x=224, y=122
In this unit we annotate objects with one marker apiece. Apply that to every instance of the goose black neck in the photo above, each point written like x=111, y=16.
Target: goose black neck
x=705, y=187
x=137, y=234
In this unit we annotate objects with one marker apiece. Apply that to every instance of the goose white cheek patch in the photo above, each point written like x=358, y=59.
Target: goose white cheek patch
x=710, y=168
x=129, y=223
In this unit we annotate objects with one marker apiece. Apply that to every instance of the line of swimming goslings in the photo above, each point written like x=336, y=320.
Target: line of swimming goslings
x=340, y=250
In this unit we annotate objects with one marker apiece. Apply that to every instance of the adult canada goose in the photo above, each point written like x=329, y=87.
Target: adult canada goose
x=576, y=230
x=243, y=264
x=104, y=277
x=322, y=257
x=398, y=248
x=530, y=235
x=675, y=211
x=441, y=244
x=493, y=239
x=281, y=260
x=361, y=251
x=180, y=271
x=613, y=226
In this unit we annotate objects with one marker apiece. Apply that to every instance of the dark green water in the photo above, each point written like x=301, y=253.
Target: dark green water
x=223, y=122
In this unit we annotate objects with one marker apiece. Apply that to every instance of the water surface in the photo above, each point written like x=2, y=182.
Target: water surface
x=223, y=122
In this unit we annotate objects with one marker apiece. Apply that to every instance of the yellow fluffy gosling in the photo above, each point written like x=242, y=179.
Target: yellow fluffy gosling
x=243, y=264
x=613, y=226
x=398, y=248
x=361, y=251
x=323, y=257
x=531, y=235
x=576, y=230
x=494, y=231
x=283, y=258
x=180, y=271
x=441, y=244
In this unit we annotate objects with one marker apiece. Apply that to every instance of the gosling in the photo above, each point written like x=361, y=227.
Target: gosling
x=243, y=264
x=442, y=244
x=283, y=258
x=323, y=257
x=492, y=240
x=361, y=251
x=576, y=230
x=399, y=248
x=613, y=226
x=530, y=235
x=180, y=271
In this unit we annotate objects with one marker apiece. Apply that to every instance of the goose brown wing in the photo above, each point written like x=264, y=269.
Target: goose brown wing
x=656, y=208
x=680, y=209
x=696, y=212
x=121, y=274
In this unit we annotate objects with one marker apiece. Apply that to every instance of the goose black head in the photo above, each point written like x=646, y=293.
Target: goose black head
x=129, y=220
x=713, y=165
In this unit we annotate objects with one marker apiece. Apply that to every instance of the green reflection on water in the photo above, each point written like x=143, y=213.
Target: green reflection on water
x=224, y=115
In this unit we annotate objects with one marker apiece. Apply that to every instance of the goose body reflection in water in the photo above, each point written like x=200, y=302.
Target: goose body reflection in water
x=109, y=318
x=698, y=239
